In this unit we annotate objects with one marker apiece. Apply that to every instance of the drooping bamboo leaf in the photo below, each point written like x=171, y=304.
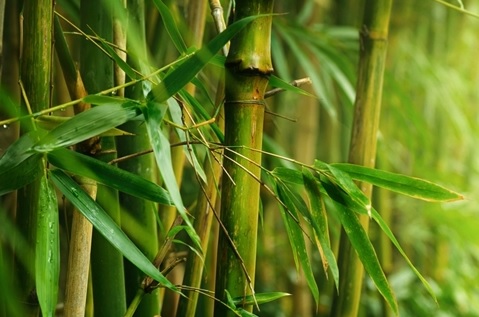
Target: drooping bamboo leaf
x=18, y=152
x=296, y=239
x=385, y=228
x=88, y=124
x=107, y=226
x=183, y=74
x=108, y=175
x=176, y=116
x=19, y=165
x=170, y=26
x=259, y=298
x=406, y=185
x=320, y=224
x=154, y=113
x=360, y=241
x=124, y=66
x=16, y=176
x=47, y=249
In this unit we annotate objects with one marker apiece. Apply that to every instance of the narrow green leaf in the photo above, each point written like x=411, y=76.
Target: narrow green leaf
x=384, y=227
x=320, y=224
x=17, y=176
x=19, y=165
x=106, y=226
x=154, y=113
x=108, y=175
x=406, y=185
x=170, y=26
x=296, y=239
x=176, y=116
x=360, y=242
x=184, y=73
x=18, y=151
x=88, y=124
x=129, y=71
x=47, y=249
x=258, y=298
x=346, y=183
x=288, y=175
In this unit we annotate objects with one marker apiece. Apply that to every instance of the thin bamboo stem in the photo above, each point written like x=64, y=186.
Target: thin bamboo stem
x=362, y=151
x=37, y=55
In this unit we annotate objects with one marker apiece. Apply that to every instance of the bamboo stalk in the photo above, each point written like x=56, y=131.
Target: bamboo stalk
x=97, y=70
x=362, y=151
x=37, y=55
x=247, y=68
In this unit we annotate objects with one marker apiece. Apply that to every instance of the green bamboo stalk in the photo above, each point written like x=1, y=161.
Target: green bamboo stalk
x=107, y=270
x=37, y=53
x=362, y=151
x=140, y=211
x=247, y=68
x=9, y=79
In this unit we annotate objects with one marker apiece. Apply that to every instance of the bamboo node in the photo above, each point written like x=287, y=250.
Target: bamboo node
x=261, y=102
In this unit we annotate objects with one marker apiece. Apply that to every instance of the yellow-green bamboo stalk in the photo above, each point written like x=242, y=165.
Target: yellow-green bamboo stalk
x=37, y=53
x=362, y=150
x=247, y=68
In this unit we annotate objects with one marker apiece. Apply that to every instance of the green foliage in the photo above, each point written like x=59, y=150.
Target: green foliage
x=308, y=196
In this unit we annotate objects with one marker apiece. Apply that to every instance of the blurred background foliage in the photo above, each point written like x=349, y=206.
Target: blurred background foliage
x=429, y=129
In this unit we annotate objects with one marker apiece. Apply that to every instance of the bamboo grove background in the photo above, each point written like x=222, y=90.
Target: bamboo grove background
x=392, y=85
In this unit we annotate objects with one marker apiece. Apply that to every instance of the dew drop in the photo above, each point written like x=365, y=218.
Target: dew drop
x=5, y=126
x=75, y=192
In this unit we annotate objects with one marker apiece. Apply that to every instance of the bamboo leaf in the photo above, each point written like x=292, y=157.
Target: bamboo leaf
x=406, y=185
x=176, y=116
x=170, y=26
x=154, y=113
x=185, y=72
x=344, y=181
x=47, y=249
x=106, y=226
x=296, y=239
x=18, y=151
x=258, y=298
x=320, y=224
x=360, y=242
x=88, y=124
x=16, y=176
x=124, y=66
x=288, y=175
x=108, y=175
x=385, y=228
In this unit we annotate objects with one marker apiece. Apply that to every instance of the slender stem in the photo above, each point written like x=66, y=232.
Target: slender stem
x=362, y=149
